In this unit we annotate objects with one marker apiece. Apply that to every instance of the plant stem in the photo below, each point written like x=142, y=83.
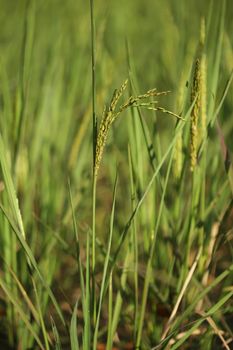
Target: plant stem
x=94, y=134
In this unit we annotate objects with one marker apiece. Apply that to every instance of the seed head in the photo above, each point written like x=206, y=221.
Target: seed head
x=195, y=96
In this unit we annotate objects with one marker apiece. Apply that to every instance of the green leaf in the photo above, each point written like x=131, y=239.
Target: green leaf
x=73, y=329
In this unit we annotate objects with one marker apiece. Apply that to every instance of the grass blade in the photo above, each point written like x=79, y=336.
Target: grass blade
x=73, y=329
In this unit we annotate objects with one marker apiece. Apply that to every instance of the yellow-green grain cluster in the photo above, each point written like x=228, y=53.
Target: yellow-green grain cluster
x=195, y=97
x=111, y=113
x=108, y=117
x=198, y=94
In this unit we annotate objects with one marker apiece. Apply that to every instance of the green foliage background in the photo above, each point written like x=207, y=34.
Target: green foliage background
x=46, y=128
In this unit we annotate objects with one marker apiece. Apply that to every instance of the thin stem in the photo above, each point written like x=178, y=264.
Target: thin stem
x=93, y=248
x=94, y=135
x=93, y=63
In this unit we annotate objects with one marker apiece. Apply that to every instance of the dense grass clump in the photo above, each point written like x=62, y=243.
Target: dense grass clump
x=116, y=207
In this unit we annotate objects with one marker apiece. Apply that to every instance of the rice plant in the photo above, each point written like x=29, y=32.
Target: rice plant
x=116, y=177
